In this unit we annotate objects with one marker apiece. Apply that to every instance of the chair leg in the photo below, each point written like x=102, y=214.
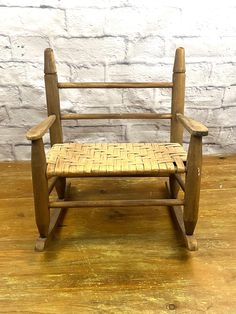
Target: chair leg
x=174, y=186
x=192, y=184
x=40, y=188
x=61, y=187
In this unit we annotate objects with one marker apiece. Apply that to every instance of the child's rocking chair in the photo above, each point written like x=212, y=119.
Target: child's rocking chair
x=66, y=160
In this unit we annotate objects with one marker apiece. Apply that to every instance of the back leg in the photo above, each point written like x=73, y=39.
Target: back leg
x=61, y=187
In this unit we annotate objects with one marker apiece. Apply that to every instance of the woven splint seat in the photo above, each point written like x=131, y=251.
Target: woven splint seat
x=102, y=159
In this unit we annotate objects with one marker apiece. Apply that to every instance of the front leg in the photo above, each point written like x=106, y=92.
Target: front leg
x=40, y=187
x=192, y=184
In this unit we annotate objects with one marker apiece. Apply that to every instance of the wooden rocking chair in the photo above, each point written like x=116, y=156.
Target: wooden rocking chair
x=66, y=160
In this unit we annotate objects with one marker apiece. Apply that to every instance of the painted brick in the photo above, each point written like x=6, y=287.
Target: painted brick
x=201, y=46
x=87, y=73
x=29, y=3
x=5, y=47
x=223, y=74
x=94, y=97
x=139, y=72
x=22, y=152
x=92, y=3
x=215, y=20
x=198, y=73
x=29, y=48
x=33, y=97
x=148, y=49
x=26, y=117
x=28, y=21
x=141, y=98
x=90, y=50
x=10, y=96
x=12, y=134
x=86, y=22
x=204, y=97
x=229, y=98
x=4, y=117
x=146, y=133
x=105, y=133
x=6, y=152
x=12, y=73
x=142, y=22
x=223, y=116
x=19, y=73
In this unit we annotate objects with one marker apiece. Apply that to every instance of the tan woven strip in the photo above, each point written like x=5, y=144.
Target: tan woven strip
x=72, y=159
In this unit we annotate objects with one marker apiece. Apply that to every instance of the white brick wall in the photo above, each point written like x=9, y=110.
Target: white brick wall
x=102, y=40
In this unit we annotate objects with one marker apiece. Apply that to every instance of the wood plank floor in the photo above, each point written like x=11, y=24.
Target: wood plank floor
x=119, y=260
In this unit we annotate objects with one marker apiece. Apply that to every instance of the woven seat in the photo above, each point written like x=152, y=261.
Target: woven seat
x=74, y=160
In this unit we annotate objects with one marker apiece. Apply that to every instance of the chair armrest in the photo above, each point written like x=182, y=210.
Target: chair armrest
x=40, y=129
x=193, y=127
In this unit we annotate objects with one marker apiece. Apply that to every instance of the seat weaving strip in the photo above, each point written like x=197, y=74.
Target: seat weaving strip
x=107, y=159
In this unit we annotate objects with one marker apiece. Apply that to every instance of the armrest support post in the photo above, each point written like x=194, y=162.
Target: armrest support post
x=40, y=186
x=192, y=183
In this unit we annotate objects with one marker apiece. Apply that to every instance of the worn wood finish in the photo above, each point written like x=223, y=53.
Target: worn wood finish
x=121, y=260
x=116, y=203
x=115, y=85
x=174, y=186
x=81, y=116
x=51, y=184
x=61, y=187
x=39, y=130
x=178, y=95
x=40, y=187
x=193, y=127
x=55, y=218
x=180, y=181
x=192, y=183
x=52, y=95
x=177, y=214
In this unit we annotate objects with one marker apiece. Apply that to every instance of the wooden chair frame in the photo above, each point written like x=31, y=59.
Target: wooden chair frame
x=184, y=211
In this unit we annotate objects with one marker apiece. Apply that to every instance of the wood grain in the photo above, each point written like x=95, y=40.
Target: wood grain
x=178, y=96
x=40, y=129
x=52, y=95
x=193, y=184
x=119, y=260
x=115, y=85
x=116, y=203
x=40, y=187
x=192, y=126
x=78, y=116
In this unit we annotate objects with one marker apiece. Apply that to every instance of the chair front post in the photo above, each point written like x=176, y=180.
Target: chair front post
x=192, y=184
x=52, y=95
x=40, y=187
x=178, y=94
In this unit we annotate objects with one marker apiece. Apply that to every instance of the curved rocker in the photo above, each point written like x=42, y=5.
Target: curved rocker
x=55, y=219
x=177, y=214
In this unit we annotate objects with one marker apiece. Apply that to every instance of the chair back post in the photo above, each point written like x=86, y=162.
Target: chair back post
x=178, y=95
x=52, y=95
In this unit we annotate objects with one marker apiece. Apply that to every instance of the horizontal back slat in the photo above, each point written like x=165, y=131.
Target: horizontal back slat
x=115, y=85
x=78, y=116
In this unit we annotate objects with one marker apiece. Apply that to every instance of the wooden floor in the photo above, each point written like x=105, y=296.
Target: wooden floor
x=119, y=260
